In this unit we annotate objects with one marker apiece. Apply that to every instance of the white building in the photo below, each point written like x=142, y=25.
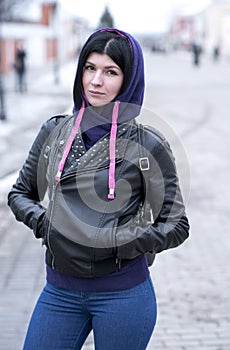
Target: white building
x=217, y=27
x=210, y=27
x=47, y=33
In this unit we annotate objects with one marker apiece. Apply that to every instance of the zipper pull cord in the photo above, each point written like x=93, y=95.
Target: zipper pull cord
x=69, y=142
x=112, y=150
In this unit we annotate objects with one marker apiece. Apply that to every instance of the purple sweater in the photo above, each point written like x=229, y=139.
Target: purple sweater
x=128, y=277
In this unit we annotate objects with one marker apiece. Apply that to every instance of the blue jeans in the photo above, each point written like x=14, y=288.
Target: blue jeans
x=120, y=320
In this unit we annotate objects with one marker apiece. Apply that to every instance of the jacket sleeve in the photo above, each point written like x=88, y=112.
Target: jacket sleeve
x=29, y=190
x=170, y=226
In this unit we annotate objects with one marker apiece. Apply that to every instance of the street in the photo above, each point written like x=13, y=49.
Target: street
x=192, y=281
x=190, y=105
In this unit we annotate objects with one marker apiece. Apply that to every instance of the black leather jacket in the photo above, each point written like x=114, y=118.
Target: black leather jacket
x=85, y=233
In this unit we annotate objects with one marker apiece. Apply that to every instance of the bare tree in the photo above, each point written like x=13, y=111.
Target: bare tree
x=106, y=19
x=7, y=7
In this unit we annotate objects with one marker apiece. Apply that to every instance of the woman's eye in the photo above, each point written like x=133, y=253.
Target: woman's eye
x=111, y=72
x=89, y=67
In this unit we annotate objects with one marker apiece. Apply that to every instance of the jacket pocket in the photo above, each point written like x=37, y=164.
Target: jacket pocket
x=132, y=238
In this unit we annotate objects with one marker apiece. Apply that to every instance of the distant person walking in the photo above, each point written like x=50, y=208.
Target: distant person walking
x=20, y=69
x=216, y=53
x=2, y=102
x=196, y=50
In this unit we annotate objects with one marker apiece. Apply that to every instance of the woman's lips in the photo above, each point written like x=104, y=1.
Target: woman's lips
x=95, y=92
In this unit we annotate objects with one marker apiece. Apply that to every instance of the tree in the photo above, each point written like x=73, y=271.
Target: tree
x=6, y=14
x=106, y=20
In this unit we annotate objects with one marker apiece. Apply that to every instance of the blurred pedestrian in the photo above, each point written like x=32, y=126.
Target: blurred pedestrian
x=216, y=53
x=196, y=51
x=103, y=171
x=20, y=69
x=2, y=97
x=2, y=101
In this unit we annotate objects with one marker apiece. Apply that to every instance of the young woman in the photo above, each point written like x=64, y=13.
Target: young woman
x=95, y=227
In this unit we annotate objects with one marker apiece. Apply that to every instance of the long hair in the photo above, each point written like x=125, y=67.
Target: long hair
x=111, y=43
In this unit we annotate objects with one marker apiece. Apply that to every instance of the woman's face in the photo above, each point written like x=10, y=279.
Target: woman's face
x=102, y=79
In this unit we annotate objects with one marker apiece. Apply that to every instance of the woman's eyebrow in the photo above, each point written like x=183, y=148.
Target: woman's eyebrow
x=109, y=66
x=93, y=64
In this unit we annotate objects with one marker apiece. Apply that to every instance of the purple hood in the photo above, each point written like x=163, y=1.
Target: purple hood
x=130, y=99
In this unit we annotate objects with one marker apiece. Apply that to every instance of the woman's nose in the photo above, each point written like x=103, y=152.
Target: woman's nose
x=97, y=79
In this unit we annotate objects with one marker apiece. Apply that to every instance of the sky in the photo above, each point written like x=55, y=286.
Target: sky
x=144, y=16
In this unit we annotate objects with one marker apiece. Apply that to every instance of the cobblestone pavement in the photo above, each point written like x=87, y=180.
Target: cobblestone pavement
x=192, y=282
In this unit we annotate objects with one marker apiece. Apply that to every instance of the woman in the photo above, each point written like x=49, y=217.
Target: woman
x=95, y=229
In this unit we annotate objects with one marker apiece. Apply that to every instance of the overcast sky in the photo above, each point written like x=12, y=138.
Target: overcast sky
x=139, y=17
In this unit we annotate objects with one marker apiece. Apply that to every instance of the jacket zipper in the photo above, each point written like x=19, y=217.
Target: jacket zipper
x=49, y=227
x=117, y=260
x=87, y=171
x=54, y=185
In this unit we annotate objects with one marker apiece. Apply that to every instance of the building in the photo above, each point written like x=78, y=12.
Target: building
x=216, y=21
x=210, y=27
x=48, y=34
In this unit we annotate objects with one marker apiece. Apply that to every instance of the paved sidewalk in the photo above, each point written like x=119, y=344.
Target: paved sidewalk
x=192, y=282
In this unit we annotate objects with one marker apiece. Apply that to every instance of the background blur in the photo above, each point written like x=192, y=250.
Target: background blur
x=186, y=45
x=53, y=31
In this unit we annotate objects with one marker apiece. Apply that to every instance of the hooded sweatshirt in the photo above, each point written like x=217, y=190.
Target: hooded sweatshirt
x=131, y=98
x=125, y=107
